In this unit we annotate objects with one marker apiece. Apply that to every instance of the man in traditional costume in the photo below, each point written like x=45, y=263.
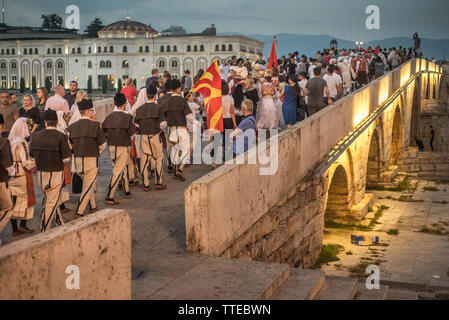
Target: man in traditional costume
x=151, y=121
x=88, y=142
x=119, y=128
x=51, y=151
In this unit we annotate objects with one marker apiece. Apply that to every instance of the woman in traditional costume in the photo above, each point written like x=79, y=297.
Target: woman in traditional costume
x=21, y=185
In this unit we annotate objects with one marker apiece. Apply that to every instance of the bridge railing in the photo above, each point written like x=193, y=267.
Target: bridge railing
x=222, y=205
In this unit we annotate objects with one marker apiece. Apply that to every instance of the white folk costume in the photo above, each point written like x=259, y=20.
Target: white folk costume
x=267, y=117
x=347, y=73
x=21, y=185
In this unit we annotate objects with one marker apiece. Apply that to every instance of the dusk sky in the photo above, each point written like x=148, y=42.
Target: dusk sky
x=340, y=18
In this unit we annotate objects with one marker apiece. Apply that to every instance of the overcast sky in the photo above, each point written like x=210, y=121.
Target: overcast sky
x=340, y=18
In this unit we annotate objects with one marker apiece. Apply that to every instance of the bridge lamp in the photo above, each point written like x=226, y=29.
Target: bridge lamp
x=359, y=43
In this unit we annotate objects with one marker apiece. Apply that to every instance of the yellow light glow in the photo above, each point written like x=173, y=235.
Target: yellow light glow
x=361, y=107
x=384, y=90
x=405, y=73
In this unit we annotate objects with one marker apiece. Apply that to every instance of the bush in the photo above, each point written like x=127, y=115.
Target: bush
x=22, y=85
x=104, y=86
x=33, y=85
x=89, y=85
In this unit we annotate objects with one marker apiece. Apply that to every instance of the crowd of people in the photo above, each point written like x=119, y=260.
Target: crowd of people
x=153, y=130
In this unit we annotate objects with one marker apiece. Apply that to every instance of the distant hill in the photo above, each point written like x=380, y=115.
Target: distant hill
x=310, y=44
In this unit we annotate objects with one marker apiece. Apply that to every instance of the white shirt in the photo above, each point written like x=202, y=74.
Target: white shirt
x=311, y=70
x=302, y=84
x=331, y=85
x=194, y=107
x=224, y=71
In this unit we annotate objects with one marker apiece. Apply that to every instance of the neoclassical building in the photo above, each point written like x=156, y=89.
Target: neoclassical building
x=123, y=49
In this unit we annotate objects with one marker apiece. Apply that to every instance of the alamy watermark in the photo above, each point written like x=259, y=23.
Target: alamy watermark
x=372, y=22
x=373, y=280
x=73, y=280
x=73, y=20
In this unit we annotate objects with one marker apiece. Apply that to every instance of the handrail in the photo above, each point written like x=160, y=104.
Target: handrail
x=342, y=146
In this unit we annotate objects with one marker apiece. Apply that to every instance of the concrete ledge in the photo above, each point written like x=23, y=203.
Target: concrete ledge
x=99, y=245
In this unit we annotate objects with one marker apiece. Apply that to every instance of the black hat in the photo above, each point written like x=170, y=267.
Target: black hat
x=175, y=84
x=50, y=115
x=119, y=99
x=151, y=91
x=85, y=105
x=1, y=119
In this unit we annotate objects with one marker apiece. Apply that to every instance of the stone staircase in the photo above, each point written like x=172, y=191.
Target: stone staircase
x=240, y=279
x=427, y=165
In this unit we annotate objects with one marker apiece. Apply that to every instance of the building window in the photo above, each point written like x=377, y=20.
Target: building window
x=162, y=64
x=89, y=64
x=49, y=65
x=4, y=84
x=202, y=48
x=189, y=48
x=54, y=51
x=13, y=51
x=111, y=49
x=3, y=65
x=7, y=51
x=60, y=79
x=36, y=51
x=230, y=47
x=147, y=49
x=168, y=49
x=140, y=49
x=102, y=64
x=13, y=65
x=73, y=50
x=99, y=50
x=79, y=50
x=223, y=47
x=125, y=64
x=3, y=52
x=48, y=51
x=217, y=47
x=162, y=48
x=195, y=48
x=125, y=49
x=89, y=50
x=25, y=51
x=60, y=65
x=175, y=49
x=14, y=82
x=108, y=64
x=105, y=50
x=174, y=64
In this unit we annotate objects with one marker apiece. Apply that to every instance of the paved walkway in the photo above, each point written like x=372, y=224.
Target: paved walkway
x=411, y=256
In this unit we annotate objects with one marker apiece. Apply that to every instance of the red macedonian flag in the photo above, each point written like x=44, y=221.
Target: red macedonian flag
x=273, y=61
x=209, y=86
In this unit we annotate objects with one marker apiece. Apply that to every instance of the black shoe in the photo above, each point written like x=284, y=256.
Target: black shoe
x=180, y=175
x=127, y=195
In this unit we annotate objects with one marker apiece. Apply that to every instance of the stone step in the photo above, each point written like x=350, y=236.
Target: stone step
x=361, y=209
x=226, y=279
x=301, y=285
x=390, y=174
x=375, y=294
x=338, y=288
x=395, y=294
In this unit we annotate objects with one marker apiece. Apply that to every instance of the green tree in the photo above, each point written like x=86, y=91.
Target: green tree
x=22, y=85
x=61, y=81
x=48, y=84
x=89, y=85
x=135, y=82
x=119, y=89
x=93, y=28
x=51, y=21
x=33, y=84
x=104, y=86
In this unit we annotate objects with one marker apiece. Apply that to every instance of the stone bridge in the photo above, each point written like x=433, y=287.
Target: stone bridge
x=324, y=166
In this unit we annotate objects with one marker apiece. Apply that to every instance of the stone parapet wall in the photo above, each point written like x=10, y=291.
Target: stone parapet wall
x=103, y=108
x=99, y=245
x=290, y=232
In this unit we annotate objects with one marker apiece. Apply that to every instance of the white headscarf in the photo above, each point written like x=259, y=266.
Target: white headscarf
x=62, y=125
x=18, y=133
x=76, y=114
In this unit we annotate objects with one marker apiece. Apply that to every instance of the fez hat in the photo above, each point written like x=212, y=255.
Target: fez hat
x=119, y=99
x=50, y=115
x=151, y=90
x=85, y=105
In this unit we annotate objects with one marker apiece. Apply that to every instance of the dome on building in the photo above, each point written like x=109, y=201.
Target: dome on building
x=127, y=29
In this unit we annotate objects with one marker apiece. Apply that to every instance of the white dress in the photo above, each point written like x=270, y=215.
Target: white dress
x=267, y=115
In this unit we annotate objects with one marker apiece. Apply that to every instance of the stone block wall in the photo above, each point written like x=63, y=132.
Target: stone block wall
x=99, y=245
x=291, y=232
x=428, y=165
